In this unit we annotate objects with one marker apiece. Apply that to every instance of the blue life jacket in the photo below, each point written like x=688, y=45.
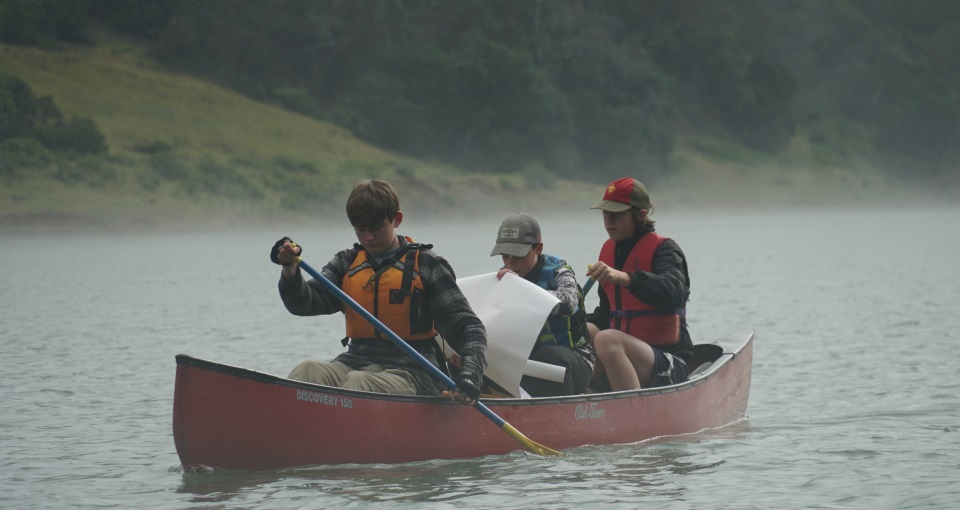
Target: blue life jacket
x=569, y=331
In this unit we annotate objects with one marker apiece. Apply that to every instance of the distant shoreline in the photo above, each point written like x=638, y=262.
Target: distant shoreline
x=73, y=217
x=324, y=160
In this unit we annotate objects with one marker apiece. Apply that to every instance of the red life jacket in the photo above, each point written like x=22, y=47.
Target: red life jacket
x=655, y=326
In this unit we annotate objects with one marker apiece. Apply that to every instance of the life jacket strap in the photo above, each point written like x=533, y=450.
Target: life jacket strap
x=407, y=283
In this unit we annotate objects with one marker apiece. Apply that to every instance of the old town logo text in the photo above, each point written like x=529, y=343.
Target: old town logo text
x=588, y=411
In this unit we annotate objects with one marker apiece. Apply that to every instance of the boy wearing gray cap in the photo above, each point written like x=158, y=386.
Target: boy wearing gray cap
x=563, y=340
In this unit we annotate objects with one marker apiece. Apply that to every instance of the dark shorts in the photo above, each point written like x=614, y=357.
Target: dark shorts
x=667, y=369
x=577, y=378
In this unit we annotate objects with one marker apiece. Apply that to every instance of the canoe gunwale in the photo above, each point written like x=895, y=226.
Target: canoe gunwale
x=730, y=349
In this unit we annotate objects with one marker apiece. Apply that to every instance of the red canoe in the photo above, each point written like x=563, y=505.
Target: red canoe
x=233, y=418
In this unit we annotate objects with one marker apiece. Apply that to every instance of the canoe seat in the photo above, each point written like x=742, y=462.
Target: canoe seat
x=697, y=372
x=703, y=356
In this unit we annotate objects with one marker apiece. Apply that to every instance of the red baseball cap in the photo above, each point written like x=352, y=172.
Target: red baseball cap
x=622, y=194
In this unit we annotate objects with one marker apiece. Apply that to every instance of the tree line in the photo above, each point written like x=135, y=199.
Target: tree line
x=580, y=89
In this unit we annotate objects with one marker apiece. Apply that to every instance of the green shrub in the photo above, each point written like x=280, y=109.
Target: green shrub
x=23, y=114
x=243, y=160
x=224, y=180
x=405, y=172
x=90, y=169
x=79, y=134
x=295, y=99
x=253, y=189
x=124, y=159
x=149, y=181
x=169, y=167
x=296, y=165
x=22, y=153
x=214, y=176
x=837, y=140
x=18, y=106
x=46, y=112
x=155, y=147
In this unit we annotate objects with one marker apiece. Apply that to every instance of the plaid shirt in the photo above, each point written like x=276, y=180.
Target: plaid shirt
x=453, y=317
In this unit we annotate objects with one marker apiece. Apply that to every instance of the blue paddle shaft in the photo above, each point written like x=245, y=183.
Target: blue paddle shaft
x=586, y=288
x=337, y=291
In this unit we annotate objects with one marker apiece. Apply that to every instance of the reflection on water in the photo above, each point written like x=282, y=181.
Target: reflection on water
x=614, y=470
x=853, y=400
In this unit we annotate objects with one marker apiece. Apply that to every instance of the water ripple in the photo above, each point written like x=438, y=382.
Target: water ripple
x=853, y=400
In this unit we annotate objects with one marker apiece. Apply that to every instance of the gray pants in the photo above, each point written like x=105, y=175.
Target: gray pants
x=372, y=378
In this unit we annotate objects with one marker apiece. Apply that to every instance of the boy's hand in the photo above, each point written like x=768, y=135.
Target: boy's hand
x=468, y=389
x=285, y=252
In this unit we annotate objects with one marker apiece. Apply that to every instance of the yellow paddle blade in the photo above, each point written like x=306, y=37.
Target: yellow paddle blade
x=530, y=446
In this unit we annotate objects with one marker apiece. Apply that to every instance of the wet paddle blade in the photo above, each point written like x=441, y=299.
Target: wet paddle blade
x=529, y=445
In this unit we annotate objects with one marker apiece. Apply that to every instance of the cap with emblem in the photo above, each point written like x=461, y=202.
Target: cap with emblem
x=518, y=233
x=623, y=194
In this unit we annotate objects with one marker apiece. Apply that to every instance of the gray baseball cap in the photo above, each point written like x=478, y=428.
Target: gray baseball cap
x=518, y=233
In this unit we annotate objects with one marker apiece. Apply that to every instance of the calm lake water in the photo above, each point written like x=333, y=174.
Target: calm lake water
x=854, y=400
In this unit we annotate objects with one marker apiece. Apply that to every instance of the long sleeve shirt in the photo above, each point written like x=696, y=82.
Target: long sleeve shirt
x=454, y=319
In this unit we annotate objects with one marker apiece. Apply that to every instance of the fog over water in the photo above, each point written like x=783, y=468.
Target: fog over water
x=853, y=404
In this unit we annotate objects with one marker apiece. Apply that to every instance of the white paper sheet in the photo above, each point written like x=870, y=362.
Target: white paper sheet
x=513, y=311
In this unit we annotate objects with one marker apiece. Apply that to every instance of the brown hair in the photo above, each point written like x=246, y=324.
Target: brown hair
x=641, y=223
x=371, y=202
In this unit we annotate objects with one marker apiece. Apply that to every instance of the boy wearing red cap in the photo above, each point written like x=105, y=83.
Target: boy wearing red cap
x=639, y=330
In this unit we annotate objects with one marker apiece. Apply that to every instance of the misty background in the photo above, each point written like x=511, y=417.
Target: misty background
x=831, y=125
x=497, y=98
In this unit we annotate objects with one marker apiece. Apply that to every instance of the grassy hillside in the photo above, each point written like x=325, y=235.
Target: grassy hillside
x=295, y=165
x=183, y=149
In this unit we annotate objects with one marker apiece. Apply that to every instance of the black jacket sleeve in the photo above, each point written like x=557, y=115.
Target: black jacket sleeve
x=665, y=286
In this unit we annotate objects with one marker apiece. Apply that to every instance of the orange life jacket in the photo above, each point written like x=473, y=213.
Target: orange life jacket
x=393, y=294
x=655, y=326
